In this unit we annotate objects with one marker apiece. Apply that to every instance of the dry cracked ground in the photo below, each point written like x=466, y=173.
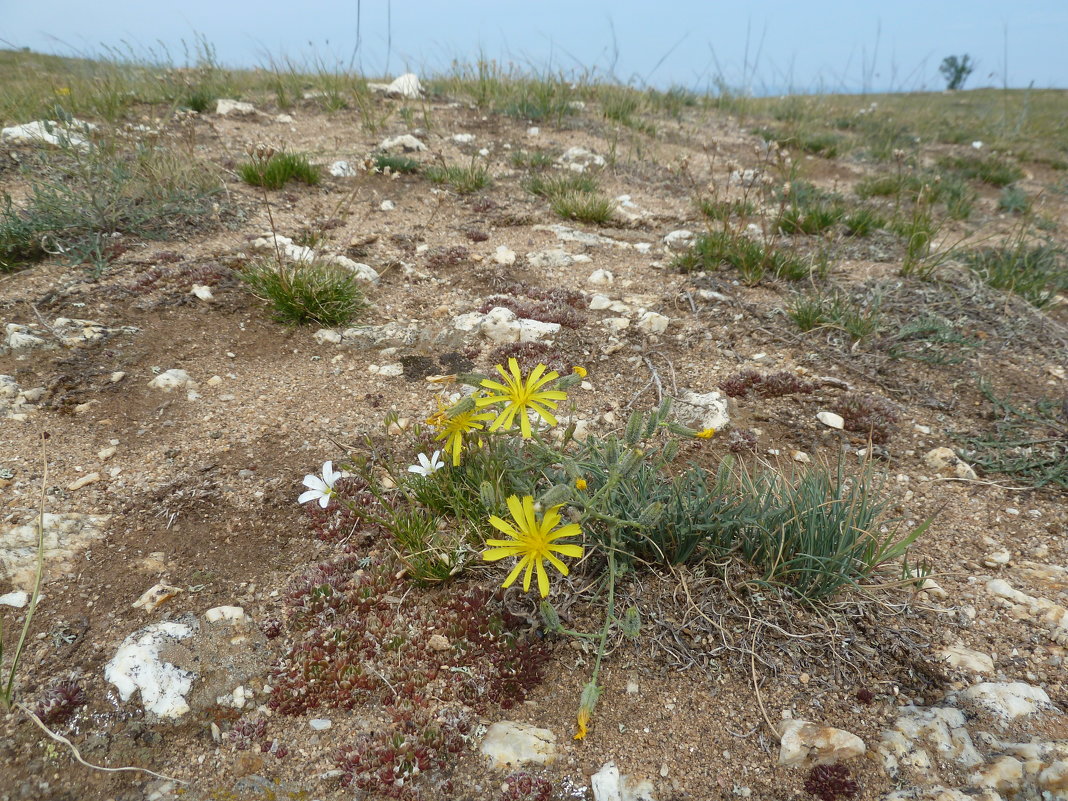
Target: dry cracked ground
x=953, y=687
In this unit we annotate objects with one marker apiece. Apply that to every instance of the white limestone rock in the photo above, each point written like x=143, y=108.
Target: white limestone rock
x=504, y=255
x=405, y=143
x=555, y=258
x=922, y=736
x=49, y=132
x=945, y=461
x=831, y=420
x=966, y=659
x=579, y=159
x=1008, y=700
x=342, y=169
x=224, y=107
x=608, y=784
x=508, y=744
x=702, y=410
x=500, y=326
x=802, y=742
x=405, y=86
x=363, y=272
x=678, y=240
x=65, y=536
x=173, y=379
x=601, y=278
x=652, y=322
x=463, y=138
x=138, y=667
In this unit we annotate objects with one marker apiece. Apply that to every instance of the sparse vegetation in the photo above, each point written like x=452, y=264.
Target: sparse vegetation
x=753, y=260
x=278, y=170
x=463, y=180
x=1034, y=272
x=385, y=162
x=307, y=292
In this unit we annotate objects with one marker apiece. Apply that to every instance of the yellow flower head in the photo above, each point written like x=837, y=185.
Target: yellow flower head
x=63, y=90
x=708, y=433
x=580, y=483
x=533, y=540
x=580, y=371
x=452, y=428
x=583, y=721
x=518, y=395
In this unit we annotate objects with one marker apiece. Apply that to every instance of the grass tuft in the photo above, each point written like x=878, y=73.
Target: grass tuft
x=307, y=292
x=402, y=164
x=752, y=259
x=464, y=180
x=278, y=170
x=1035, y=273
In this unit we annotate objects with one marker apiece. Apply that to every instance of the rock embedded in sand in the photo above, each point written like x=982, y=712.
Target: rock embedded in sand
x=508, y=744
x=804, y=743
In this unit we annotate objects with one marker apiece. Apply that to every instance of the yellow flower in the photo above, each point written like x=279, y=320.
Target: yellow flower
x=583, y=720
x=581, y=371
x=518, y=395
x=452, y=428
x=63, y=90
x=580, y=483
x=708, y=433
x=533, y=540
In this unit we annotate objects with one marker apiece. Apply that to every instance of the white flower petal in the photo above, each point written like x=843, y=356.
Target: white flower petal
x=315, y=483
x=324, y=501
x=310, y=495
x=329, y=474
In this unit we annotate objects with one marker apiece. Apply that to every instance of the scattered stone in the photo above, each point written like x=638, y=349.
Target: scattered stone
x=504, y=255
x=394, y=370
x=320, y=724
x=702, y=411
x=235, y=614
x=679, y=240
x=84, y=481
x=65, y=535
x=1007, y=700
x=342, y=169
x=533, y=130
x=500, y=325
x=567, y=234
x=48, y=132
x=831, y=420
x=509, y=744
x=437, y=642
x=600, y=278
x=284, y=118
x=942, y=729
x=173, y=379
x=653, y=323
x=616, y=325
x=16, y=599
x=1004, y=775
x=550, y=259
x=946, y=462
x=463, y=138
x=998, y=558
x=202, y=292
x=966, y=659
x=225, y=107
x=138, y=667
x=387, y=205
x=405, y=143
x=801, y=457
x=63, y=332
x=806, y=744
x=406, y=86
x=1054, y=780
x=154, y=597
x=609, y=785
x=579, y=159
x=1051, y=616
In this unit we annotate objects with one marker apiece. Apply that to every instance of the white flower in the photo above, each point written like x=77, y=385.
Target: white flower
x=427, y=466
x=321, y=489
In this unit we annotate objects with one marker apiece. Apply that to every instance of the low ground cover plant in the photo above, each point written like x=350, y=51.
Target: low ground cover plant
x=277, y=169
x=496, y=480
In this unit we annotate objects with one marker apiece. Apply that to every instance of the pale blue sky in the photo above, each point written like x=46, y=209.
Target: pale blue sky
x=769, y=45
